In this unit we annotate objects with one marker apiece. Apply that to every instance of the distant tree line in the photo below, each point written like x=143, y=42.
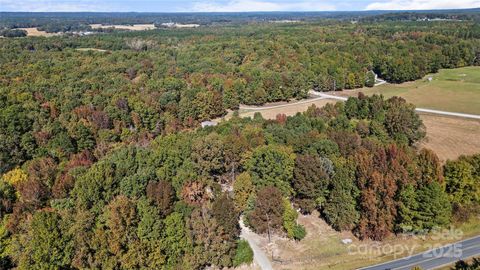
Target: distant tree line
x=13, y=33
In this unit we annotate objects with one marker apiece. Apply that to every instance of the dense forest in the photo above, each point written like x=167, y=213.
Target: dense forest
x=58, y=100
x=103, y=166
x=174, y=202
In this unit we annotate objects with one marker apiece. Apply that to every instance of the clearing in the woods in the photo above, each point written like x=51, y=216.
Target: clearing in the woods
x=455, y=90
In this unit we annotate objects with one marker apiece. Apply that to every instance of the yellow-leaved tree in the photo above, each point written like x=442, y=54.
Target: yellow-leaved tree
x=15, y=176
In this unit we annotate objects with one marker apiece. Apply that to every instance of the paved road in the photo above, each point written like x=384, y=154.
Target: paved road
x=434, y=258
x=422, y=110
x=258, y=255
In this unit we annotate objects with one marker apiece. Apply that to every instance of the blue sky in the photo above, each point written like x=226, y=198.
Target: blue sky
x=228, y=5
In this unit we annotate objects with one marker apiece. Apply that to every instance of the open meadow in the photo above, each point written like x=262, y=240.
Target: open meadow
x=454, y=90
x=34, y=32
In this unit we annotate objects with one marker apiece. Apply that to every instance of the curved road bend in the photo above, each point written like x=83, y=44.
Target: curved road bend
x=434, y=258
x=258, y=255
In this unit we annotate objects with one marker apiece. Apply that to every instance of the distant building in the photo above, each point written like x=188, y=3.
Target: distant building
x=208, y=124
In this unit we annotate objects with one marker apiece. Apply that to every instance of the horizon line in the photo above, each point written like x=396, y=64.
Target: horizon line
x=259, y=11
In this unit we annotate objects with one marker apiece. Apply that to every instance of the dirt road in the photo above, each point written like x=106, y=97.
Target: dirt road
x=258, y=255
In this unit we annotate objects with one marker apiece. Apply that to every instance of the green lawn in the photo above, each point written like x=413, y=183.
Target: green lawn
x=455, y=90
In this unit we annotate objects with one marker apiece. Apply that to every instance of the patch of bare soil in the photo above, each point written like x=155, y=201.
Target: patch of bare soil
x=34, y=32
x=451, y=137
x=252, y=266
x=320, y=248
x=288, y=109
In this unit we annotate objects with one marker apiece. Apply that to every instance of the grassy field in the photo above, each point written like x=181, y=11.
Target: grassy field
x=323, y=249
x=455, y=90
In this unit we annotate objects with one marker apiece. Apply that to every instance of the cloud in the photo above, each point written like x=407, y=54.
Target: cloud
x=53, y=5
x=258, y=5
x=422, y=4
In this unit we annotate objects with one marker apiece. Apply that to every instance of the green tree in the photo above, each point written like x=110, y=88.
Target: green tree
x=48, y=247
x=408, y=210
x=7, y=198
x=434, y=208
x=401, y=120
x=84, y=137
x=370, y=79
x=208, y=155
x=175, y=240
x=243, y=254
x=272, y=165
x=461, y=186
x=340, y=208
x=310, y=181
x=5, y=259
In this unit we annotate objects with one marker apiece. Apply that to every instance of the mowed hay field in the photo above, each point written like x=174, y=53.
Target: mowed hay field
x=34, y=32
x=450, y=137
x=454, y=90
x=270, y=111
x=288, y=109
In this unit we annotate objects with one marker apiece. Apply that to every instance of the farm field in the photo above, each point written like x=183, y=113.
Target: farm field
x=34, y=32
x=287, y=108
x=449, y=137
x=455, y=90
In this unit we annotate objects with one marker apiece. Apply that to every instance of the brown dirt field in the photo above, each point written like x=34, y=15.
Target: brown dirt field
x=135, y=27
x=448, y=137
x=288, y=109
x=451, y=137
x=34, y=32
